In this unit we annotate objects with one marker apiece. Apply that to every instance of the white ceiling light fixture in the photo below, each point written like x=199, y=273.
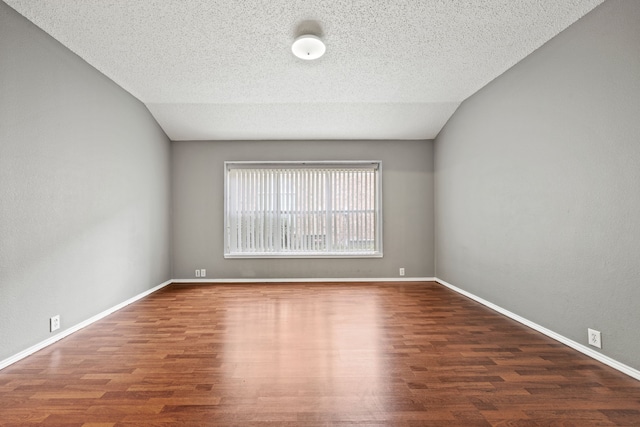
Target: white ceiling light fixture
x=308, y=47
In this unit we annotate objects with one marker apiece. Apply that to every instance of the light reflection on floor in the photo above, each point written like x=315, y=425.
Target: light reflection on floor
x=323, y=348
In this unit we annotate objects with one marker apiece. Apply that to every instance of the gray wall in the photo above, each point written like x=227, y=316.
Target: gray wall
x=538, y=185
x=407, y=186
x=84, y=189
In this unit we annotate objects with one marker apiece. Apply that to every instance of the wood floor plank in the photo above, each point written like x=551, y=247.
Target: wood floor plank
x=313, y=354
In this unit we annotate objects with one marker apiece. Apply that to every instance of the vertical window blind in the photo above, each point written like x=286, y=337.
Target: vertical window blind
x=302, y=210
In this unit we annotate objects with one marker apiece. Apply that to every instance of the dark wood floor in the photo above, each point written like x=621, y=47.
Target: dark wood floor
x=390, y=354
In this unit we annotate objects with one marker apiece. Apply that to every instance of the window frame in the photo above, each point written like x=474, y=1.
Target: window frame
x=378, y=211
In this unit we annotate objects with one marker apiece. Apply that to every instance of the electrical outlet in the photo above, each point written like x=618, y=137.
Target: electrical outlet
x=203, y=272
x=595, y=338
x=198, y=273
x=402, y=271
x=54, y=323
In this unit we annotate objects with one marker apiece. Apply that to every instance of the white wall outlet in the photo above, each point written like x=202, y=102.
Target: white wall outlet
x=54, y=323
x=203, y=272
x=198, y=273
x=402, y=271
x=595, y=338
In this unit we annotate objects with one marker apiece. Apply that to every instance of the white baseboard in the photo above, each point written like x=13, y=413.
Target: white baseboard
x=65, y=333
x=632, y=372
x=307, y=280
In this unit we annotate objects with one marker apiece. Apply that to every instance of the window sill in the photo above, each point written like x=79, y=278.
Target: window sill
x=304, y=255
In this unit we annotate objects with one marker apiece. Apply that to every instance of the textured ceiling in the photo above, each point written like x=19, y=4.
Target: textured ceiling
x=223, y=69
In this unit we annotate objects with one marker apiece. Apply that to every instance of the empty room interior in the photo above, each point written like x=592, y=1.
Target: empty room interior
x=311, y=213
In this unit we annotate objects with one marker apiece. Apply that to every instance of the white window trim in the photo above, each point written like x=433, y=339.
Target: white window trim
x=302, y=164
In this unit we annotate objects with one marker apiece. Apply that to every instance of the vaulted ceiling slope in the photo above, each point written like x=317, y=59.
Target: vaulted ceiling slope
x=223, y=69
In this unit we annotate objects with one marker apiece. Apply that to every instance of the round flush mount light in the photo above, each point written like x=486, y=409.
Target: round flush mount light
x=308, y=47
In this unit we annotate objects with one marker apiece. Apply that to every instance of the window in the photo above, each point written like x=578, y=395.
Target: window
x=303, y=209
